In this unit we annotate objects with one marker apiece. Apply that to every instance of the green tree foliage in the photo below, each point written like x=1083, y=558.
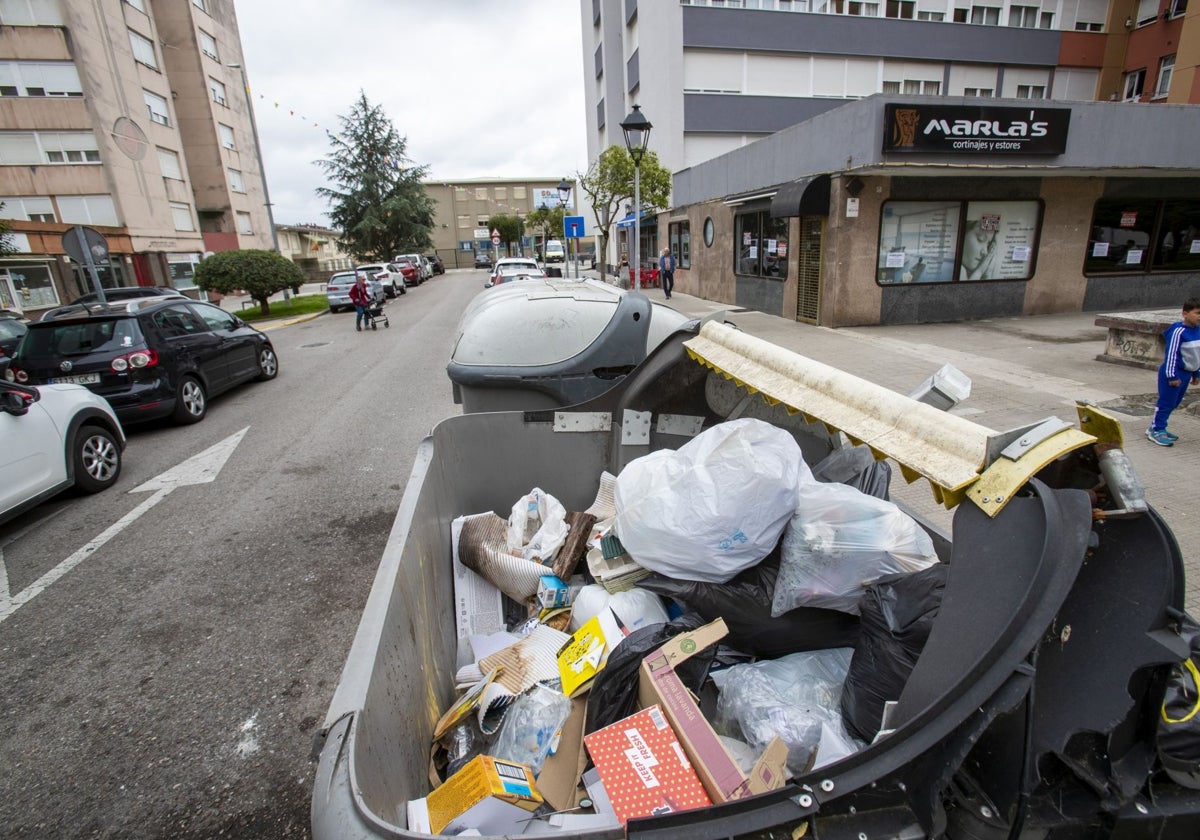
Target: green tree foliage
x=258, y=273
x=608, y=184
x=511, y=227
x=6, y=244
x=375, y=195
x=547, y=220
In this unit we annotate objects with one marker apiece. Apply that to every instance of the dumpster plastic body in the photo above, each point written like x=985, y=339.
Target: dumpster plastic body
x=1032, y=709
x=548, y=343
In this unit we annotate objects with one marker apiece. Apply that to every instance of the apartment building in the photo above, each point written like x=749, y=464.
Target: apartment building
x=463, y=207
x=130, y=117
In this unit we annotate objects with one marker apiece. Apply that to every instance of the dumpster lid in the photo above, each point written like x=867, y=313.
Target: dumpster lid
x=951, y=452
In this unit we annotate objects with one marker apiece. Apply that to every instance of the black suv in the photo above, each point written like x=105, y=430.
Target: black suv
x=149, y=357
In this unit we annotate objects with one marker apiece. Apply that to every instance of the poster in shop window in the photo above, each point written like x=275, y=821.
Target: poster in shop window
x=999, y=240
x=917, y=241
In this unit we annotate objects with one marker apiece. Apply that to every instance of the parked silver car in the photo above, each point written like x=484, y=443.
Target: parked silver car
x=388, y=274
x=337, y=290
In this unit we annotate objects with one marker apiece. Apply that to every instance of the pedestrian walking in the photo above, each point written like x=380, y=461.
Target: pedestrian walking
x=666, y=270
x=360, y=296
x=1180, y=368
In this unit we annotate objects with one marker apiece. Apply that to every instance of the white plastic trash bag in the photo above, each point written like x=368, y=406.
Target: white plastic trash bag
x=636, y=608
x=797, y=697
x=713, y=507
x=839, y=541
x=537, y=527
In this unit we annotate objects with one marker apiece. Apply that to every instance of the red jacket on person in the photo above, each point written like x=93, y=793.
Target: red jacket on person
x=360, y=295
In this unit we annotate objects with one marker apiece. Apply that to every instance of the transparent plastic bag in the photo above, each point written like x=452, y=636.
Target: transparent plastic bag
x=714, y=506
x=840, y=540
x=532, y=726
x=797, y=698
x=537, y=526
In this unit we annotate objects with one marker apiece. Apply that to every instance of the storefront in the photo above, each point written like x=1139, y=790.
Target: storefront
x=892, y=211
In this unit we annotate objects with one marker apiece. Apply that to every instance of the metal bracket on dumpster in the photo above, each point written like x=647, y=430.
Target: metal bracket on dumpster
x=635, y=428
x=685, y=425
x=1006, y=475
x=582, y=421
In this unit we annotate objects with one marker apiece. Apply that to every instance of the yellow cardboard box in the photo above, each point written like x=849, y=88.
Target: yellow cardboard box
x=487, y=794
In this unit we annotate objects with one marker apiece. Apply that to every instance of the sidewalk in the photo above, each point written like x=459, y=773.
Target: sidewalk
x=1022, y=370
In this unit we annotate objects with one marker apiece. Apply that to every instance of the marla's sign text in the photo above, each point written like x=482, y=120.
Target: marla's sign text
x=975, y=130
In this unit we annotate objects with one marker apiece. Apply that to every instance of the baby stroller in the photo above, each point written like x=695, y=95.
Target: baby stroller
x=375, y=314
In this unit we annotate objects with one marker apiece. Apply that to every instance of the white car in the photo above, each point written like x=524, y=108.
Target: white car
x=388, y=274
x=55, y=437
x=511, y=263
x=337, y=290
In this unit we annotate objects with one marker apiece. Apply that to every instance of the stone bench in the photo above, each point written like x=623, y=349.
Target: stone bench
x=1135, y=338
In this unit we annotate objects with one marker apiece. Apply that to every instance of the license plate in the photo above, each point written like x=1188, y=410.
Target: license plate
x=81, y=379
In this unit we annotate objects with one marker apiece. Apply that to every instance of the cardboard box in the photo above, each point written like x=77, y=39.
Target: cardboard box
x=493, y=796
x=559, y=781
x=586, y=653
x=552, y=592
x=643, y=767
x=658, y=684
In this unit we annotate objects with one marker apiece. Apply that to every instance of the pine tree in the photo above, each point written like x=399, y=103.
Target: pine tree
x=375, y=195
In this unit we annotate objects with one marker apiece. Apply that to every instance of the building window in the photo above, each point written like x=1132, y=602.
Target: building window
x=948, y=241
x=217, y=89
x=519, y=193
x=168, y=162
x=30, y=13
x=464, y=222
x=235, y=180
x=913, y=87
x=39, y=78
x=34, y=208
x=1143, y=234
x=863, y=9
x=36, y=147
x=228, y=140
x=1025, y=17
x=900, y=8
x=979, y=92
x=1147, y=12
x=244, y=224
x=679, y=239
x=760, y=246
x=157, y=106
x=208, y=45
x=461, y=193
x=1031, y=91
x=988, y=15
x=33, y=283
x=501, y=193
x=1178, y=8
x=181, y=214
x=481, y=193
x=1085, y=26
x=1134, y=82
x=1166, y=68
x=202, y=5
x=934, y=16
x=1046, y=21
x=140, y=5
x=87, y=210
x=183, y=270
x=143, y=50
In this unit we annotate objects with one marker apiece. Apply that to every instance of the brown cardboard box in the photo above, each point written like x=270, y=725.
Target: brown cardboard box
x=659, y=684
x=559, y=780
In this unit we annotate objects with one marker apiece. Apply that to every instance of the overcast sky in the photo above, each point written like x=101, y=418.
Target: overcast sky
x=480, y=88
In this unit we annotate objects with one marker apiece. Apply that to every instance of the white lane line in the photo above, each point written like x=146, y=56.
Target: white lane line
x=9, y=605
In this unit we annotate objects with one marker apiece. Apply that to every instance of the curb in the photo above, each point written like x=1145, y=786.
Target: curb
x=287, y=322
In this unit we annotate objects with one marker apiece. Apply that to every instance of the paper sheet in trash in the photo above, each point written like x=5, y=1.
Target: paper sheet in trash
x=482, y=546
x=478, y=604
x=531, y=660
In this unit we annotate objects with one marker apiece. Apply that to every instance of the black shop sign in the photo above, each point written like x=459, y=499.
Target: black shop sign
x=975, y=130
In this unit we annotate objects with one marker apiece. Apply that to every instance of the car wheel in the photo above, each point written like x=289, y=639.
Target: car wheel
x=191, y=403
x=391, y=292
x=97, y=459
x=268, y=364
x=404, y=289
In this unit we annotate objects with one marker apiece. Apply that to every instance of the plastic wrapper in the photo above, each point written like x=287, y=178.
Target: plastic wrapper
x=897, y=613
x=840, y=540
x=532, y=726
x=635, y=608
x=537, y=527
x=797, y=698
x=614, y=692
x=745, y=604
x=713, y=507
x=463, y=743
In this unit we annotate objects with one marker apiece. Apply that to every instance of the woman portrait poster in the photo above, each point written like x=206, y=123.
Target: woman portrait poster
x=999, y=240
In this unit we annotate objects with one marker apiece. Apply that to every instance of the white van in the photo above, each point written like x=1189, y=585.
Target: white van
x=555, y=251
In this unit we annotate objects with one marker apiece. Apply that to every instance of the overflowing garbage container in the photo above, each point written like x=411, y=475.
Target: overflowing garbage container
x=641, y=615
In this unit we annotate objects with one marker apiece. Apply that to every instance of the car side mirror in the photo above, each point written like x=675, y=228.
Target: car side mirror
x=14, y=404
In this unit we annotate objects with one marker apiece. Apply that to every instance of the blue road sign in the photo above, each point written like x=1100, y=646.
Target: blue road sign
x=573, y=227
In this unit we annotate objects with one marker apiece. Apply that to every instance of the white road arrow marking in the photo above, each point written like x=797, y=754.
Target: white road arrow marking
x=199, y=469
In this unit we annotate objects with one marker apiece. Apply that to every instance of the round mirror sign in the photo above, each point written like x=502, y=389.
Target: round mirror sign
x=708, y=232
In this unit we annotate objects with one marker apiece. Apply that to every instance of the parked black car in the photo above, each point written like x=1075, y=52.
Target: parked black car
x=150, y=358
x=482, y=260
x=436, y=263
x=128, y=293
x=12, y=330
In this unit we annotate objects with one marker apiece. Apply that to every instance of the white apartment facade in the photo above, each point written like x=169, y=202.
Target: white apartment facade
x=130, y=117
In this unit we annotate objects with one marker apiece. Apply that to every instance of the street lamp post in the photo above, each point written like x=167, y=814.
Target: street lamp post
x=262, y=172
x=637, y=137
x=564, y=196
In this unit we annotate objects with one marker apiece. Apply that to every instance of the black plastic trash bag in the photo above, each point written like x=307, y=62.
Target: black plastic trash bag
x=745, y=604
x=897, y=612
x=857, y=467
x=614, y=691
x=1179, y=723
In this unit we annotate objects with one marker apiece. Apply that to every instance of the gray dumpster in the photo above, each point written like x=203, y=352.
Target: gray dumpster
x=1030, y=712
x=547, y=343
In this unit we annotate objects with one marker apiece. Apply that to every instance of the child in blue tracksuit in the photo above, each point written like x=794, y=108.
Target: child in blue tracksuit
x=1180, y=367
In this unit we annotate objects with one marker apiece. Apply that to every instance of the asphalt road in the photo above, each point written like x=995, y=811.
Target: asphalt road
x=171, y=683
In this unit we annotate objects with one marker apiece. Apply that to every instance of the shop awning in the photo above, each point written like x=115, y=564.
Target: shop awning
x=627, y=222
x=803, y=197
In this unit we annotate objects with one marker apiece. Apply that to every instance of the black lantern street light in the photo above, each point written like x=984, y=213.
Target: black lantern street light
x=637, y=137
x=564, y=196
